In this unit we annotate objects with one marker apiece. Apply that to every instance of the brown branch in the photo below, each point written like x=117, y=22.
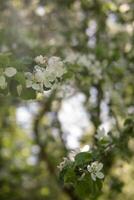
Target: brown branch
x=44, y=156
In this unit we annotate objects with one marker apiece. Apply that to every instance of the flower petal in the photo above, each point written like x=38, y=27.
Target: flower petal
x=93, y=176
x=100, y=175
x=47, y=84
x=89, y=168
x=29, y=75
x=36, y=86
x=99, y=167
x=29, y=83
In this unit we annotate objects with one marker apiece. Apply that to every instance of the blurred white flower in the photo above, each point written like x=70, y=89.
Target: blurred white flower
x=36, y=86
x=53, y=61
x=55, y=65
x=124, y=8
x=102, y=134
x=10, y=71
x=45, y=74
x=39, y=73
x=40, y=60
x=29, y=79
x=40, y=11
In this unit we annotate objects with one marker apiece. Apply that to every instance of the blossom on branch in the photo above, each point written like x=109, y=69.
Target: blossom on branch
x=95, y=170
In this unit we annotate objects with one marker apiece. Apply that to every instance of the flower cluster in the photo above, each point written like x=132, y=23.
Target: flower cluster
x=95, y=170
x=89, y=61
x=8, y=72
x=45, y=73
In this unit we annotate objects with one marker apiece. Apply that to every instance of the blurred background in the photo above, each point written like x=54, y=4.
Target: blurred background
x=96, y=37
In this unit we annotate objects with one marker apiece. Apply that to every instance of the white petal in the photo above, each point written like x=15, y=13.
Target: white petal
x=100, y=133
x=89, y=168
x=100, y=175
x=40, y=59
x=51, y=77
x=10, y=71
x=53, y=61
x=93, y=176
x=36, y=86
x=94, y=164
x=29, y=75
x=47, y=84
x=50, y=69
x=39, y=76
x=28, y=83
x=99, y=167
x=59, y=72
x=38, y=68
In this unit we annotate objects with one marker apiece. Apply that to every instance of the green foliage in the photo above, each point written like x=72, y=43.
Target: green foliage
x=88, y=188
x=72, y=174
x=82, y=158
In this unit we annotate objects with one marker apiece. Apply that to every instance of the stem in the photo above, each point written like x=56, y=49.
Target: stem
x=43, y=154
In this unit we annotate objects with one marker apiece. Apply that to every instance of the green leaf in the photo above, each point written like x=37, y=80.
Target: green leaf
x=70, y=176
x=128, y=121
x=4, y=59
x=20, y=78
x=13, y=87
x=88, y=188
x=28, y=93
x=83, y=158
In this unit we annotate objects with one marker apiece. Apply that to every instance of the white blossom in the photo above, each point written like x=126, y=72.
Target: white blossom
x=55, y=66
x=33, y=82
x=29, y=79
x=10, y=71
x=47, y=81
x=36, y=86
x=45, y=74
x=95, y=170
x=102, y=134
x=40, y=60
x=60, y=71
x=84, y=60
x=53, y=61
x=39, y=73
x=29, y=83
